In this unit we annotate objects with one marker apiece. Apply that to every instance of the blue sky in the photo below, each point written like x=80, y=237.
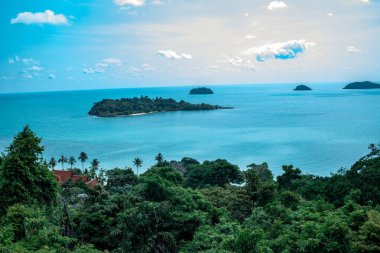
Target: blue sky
x=76, y=44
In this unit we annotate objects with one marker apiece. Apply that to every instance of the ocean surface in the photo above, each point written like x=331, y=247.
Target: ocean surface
x=319, y=131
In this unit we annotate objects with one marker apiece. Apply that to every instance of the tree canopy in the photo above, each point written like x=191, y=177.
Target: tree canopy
x=187, y=206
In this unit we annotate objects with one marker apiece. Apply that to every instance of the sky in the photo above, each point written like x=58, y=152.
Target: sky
x=49, y=45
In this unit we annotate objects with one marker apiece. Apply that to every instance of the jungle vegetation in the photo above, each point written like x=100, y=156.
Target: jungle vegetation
x=186, y=206
x=129, y=106
x=201, y=91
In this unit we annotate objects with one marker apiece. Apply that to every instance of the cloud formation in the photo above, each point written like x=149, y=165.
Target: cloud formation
x=26, y=61
x=276, y=5
x=170, y=54
x=353, y=50
x=35, y=68
x=88, y=71
x=52, y=76
x=135, y=3
x=282, y=51
x=46, y=17
x=239, y=62
x=105, y=63
x=101, y=67
x=250, y=36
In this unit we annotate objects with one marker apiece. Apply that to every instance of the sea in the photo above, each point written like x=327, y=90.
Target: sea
x=319, y=131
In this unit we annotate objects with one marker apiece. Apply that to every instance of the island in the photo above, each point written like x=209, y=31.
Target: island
x=362, y=86
x=201, y=91
x=302, y=88
x=145, y=105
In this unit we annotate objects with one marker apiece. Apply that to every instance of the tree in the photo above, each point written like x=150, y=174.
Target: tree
x=120, y=177
x=159, y=158
x=369, y=234
x=137, y=163
x=94, y=167
x=24, y=177
x=216, y=173
x=62, y=160
x=82, y=158
x=72, y=161
x=52, y=163
x=290, y=174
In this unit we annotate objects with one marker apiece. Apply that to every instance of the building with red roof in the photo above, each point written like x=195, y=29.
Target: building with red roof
x=63, y=176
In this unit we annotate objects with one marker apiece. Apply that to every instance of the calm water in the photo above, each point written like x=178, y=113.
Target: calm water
x=319, y=131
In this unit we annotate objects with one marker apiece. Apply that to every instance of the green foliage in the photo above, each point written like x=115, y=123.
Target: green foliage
x=290, y=174
x=235, y=200
x=213, y=173
x=187, y=206
x=128, y=106
x=24, y=178
x=368, y=239
x=120, y=178
x=201, y=91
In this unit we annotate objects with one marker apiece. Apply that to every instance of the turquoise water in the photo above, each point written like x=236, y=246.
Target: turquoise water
x=319, y=131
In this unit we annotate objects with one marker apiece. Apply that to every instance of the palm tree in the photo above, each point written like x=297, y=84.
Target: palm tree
x=138, y=163
x=62, y=160
x=159, y=158
x=72, y=161
x=83, y=158
x=94, y=167
x=52, y=163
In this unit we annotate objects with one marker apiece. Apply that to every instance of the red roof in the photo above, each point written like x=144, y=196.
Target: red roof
x=64, y=175
x=93, y=182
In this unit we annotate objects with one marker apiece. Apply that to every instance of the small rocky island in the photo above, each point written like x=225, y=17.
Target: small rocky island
x=201, y=91
x=302, y=88
x=145, y=105
x=362, y=85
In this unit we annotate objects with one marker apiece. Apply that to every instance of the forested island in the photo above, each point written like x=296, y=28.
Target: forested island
x=362, y=85
x=144, y=105
x=302, y=88
x=201, y=91
x=184, y=206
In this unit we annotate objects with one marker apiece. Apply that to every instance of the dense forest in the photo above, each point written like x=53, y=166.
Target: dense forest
x=362, y=85
x=186, y=206
x=129, y=106
x=201, y=91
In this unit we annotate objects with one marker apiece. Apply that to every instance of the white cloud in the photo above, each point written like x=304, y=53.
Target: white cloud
x=101, y=67
x=13, y=59
x=250, y=36
x=353, y=50
x=147, y=67
x=35, y=68
x=276, y=5
x=330, y=14
x=365, y=1
x=214, y=67
x=133, y=70
x=135, y=3
x=47, y=17
x=88, y=71
x=283, y=51
x=158, y=2
x=169, y=54
x=26, y=61
x=108, y=62
x=239, y=62
x=27, y=76
x=52, y=76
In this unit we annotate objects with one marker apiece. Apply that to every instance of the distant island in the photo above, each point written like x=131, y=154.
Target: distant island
x=145, y=105
x=362, y=85
x=201, y=91
x=302, y=87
